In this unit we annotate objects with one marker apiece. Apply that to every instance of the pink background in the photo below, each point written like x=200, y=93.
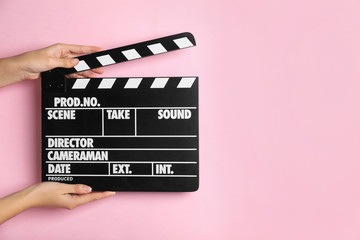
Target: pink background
x=279, y=117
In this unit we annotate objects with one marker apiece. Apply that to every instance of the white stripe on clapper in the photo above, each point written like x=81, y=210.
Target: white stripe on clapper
x=81, y=66
x=133, y=83
x=107, y=83
x=81, y=83
x=105, y=60
x=157, y=48
x=159, y=83
x=131, y=54
x=186, y=82
x=183, y=42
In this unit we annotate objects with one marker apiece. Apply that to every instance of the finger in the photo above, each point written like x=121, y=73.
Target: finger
x=99, y=70
x=63, y=62
x=86, y=198
x=87, y=74
x=77, y=188
x=81, y=49
x=74, y=75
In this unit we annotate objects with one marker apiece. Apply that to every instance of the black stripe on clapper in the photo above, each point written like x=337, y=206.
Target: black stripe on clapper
x=131, y=52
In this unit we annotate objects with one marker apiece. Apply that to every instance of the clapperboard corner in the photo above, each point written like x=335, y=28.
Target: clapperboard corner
x=122, y=134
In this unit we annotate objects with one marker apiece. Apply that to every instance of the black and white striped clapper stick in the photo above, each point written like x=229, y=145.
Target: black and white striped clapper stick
x=122, y=134
x=131, y=52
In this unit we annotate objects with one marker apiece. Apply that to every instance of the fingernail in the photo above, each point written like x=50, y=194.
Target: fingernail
x=75, y=61
x=112, y=193
x=87, y=189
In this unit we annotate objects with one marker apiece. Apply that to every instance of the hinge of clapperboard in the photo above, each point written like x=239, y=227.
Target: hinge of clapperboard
x=55, y=80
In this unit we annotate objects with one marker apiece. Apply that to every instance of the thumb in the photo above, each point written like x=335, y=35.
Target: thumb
x=66, y=62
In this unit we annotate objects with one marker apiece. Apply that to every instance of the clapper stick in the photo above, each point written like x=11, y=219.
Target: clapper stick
x=131, y=52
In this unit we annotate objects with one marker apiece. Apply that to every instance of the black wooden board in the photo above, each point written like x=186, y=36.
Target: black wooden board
x=121, y=134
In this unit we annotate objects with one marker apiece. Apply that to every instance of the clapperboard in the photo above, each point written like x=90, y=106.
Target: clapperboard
x=122, y=134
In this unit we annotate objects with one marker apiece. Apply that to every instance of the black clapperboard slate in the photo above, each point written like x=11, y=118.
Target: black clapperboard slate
x=122, y=134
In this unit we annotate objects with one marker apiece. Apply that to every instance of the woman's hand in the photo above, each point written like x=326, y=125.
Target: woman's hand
x=48, y=194
x=29, y=65
x=53, y=194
